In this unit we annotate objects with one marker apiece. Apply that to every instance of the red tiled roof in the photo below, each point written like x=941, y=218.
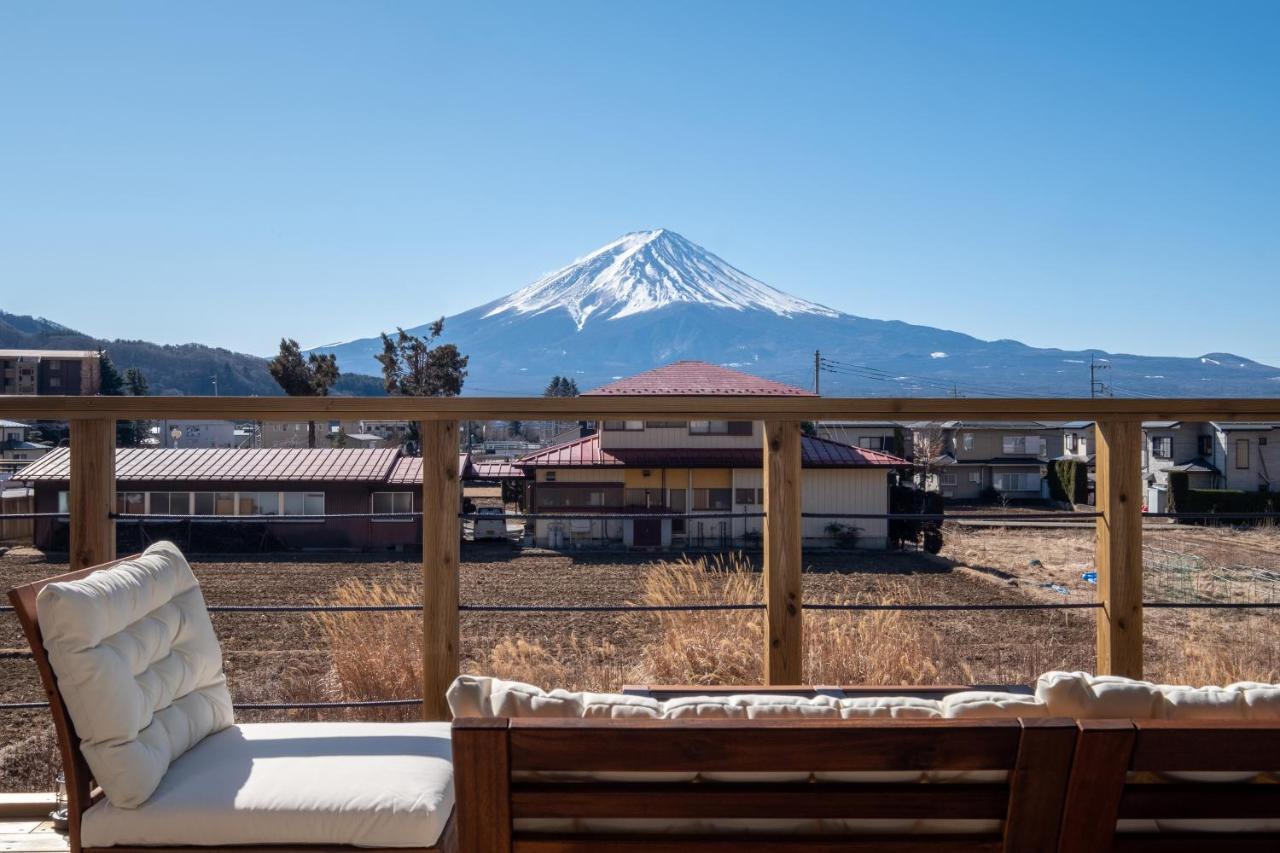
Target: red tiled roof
x=232, y=465
x=814, y=453
x=497, y=471
x=408, y=470
x=698, y=377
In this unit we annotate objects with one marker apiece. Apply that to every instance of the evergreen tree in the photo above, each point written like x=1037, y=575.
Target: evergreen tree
x=299, y=377
x=112, y=384
x=136, y=384
x=412, y=367
x=561, y=386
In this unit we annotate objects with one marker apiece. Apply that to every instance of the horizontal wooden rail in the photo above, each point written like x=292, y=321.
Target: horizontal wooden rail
x=647, y=406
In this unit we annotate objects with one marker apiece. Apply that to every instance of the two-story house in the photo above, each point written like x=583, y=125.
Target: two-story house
x=885, y=436
x=709, y=470
x=50, y=372
x=967, y=460
x=1214, y=455
x=16, y=449
x=1183, y=446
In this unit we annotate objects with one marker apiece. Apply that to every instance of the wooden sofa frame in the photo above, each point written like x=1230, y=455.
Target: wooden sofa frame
x=82, y=793
x=1067, y=783
x=487, y=753
x=1102, y=790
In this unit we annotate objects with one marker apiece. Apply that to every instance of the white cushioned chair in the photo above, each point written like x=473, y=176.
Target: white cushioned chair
x=153, y=754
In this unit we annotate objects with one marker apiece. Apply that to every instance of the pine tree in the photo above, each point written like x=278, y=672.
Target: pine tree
x=412, y=367
x=112, y=384
x=299, y=377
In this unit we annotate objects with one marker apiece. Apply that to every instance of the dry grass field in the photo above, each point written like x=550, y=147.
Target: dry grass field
x=300, y=657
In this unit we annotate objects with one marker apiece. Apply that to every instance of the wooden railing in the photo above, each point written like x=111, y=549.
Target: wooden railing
x=1118, y=486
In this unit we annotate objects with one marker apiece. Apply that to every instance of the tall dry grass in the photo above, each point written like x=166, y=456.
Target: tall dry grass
x=373, y=654
x=379, y=655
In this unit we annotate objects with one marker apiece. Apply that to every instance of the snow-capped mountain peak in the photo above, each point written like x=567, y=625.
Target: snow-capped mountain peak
x=644, y=271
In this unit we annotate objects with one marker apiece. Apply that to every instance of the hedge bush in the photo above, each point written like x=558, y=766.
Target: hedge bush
x=1184, y=499
x=1069, y=481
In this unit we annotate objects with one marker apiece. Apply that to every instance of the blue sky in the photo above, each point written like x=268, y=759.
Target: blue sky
x=1066, y=174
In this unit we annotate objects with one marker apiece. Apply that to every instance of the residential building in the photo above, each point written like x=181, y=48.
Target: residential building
x=968, y=461
x=701, y=468
x=193, y=433
x=1214, y=455
x=222, y=485
x=17, y=451
x=884, y=436
x=50, y=372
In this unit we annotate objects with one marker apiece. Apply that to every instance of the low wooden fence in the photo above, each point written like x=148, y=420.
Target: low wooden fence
x=1118, y=558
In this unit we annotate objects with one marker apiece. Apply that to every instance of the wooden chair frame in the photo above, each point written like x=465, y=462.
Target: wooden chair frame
x=82, y=793
x=487, y=752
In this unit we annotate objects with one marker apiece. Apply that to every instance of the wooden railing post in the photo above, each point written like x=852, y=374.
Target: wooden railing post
x=1118, y=491
x=441, y=532
x=783, y=658
x=93, y=492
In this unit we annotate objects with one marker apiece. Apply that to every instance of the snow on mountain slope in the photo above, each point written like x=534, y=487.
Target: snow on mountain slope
x=644, y=271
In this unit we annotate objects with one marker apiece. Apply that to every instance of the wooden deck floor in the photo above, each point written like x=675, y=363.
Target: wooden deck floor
x=30, y=836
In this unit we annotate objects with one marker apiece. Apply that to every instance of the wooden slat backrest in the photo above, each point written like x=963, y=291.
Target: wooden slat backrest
x=744, y=746
x=80, y=793
x=488, y=752
x=1101, y=792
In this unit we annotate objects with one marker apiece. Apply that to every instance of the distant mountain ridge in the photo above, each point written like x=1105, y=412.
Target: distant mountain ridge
x=651, y=297
x=183, y=369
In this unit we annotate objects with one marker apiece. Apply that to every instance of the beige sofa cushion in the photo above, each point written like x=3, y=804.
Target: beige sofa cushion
x=138, y=666
x=364, y=784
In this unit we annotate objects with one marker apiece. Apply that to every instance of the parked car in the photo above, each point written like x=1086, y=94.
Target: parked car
x=490, y=523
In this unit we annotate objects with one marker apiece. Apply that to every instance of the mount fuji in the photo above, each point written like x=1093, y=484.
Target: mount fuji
x=651, y=297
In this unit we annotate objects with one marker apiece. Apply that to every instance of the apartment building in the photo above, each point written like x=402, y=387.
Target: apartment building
x=50, y=372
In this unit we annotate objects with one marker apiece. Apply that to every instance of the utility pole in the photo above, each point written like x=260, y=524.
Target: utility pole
x=1098, y=388
x=215, y=384
x=817, y=372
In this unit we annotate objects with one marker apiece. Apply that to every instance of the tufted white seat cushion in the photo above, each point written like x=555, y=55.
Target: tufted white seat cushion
x=138, y=666
x=364, y=784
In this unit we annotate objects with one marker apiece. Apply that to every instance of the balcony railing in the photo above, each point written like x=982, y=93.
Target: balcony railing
x=1119, y=545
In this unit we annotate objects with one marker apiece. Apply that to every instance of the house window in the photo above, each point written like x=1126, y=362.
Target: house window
x=624, y=426
x=1242, y=453
x=975, y=477
x=744, y=497
x=170, y=503
x=1017, y=482
x=64, y=503
x=967, y=441
x=712, y=499
x=1204, y=446
x=131, y=503
x=949, y=479
x=550, y=477
x=259, y=503
x=304, y=503
x=1162, y=447
x=665, y=424
x=874, y=442
x=55, y=381
x=678, y=501
x=647, y=498
x=386, y=503
x=1070, y=442
x=720, y=427
x=578, y=496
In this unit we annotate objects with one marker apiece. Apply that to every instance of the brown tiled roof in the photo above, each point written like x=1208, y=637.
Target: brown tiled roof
x=682, y=378
x=323, y=465
x=814, y=453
